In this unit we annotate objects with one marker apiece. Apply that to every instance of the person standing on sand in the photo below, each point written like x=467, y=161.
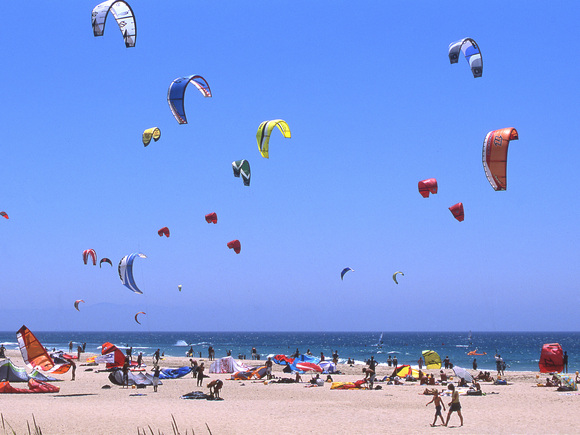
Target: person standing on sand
x=156, y=378
x=269, y=368
x=565, y=361
x=438, y=403
x=73, y=367
x=454, y=405
x=126, y=373
x=2, y=352
x=193, y=364
x=200, y=369
x=395, y=361
x=474, y=363
x=156, y=357
x=70, y=346
x=389, y=361
x=420, y=362
x=446, y=362
x=140, y=359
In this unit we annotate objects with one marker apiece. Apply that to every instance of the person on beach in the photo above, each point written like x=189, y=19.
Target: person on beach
x=73, y=368
x=308, y=352
x=389, y=361
x=214, y=388
x=79, y=351
x=438, y=404
x=498, y=362
x=2, y=352
x=454, y=405
x=190, y=352
x=126, y=373
x=254, y=352
x=395, y=361
x=193, y=364
x=321, y=356
x=296, y=354
x=269, y=368
x=565, y=361
x=443, y=376
x=446, y=362
x=84, y=347
x=156, y=378
x=139, y=359
x=298, y=378
x=200, y=370
x=420, y=362
x=70, y=346
x=474, y=363
x=156, y=357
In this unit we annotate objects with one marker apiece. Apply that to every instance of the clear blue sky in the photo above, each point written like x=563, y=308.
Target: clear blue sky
x=373, y=105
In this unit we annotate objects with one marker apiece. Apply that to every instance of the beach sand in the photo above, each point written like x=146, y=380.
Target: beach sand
x=249, y=407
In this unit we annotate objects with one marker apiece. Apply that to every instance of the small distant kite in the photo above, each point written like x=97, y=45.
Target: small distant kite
x=90, y=253
x=457, y=211
x=346, y=269
x=140, y=312
x=163, y=232
x=472, y=54
x=77, y=302
x=4, y=214
x=151, y=133
x=124, y=16
x=242, y=167
x=126, y=271
x=428, y=186
x=179, y=287
x=211, y=218
x=265, y=130
x=105, y=260
x=235, y=245
x=395, y=276
x=176, y=94
x=494, y=156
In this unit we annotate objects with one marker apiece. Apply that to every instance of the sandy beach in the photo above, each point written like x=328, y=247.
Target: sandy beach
x=82, y=406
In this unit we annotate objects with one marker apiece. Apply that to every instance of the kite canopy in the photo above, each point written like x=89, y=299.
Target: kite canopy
x=124, y=16
x=3, y=213
x=551, y=358
x=428, y=186
x=176, y=94
x=105, y=260
x=471, y=52
x=346, y=269
x=432, y=359
x=140, y=312
x=151, y=133
x=211, y=218
x=235, y=245
x=90, y=253
x=457, y=211
x=163, y=232
x=494, y=156
x=126, y=271
x=265, y=130
x=179, y=287
x=395, y=276
x=35, y=355
x=242, y=167
x=462, y=373
x=77, y=302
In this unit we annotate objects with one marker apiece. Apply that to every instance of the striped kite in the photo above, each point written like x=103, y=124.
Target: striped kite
x=176, y=94
x=472, y=53
x=494, y=156
x=126, y=271
x=124, y=16
x=265, y=130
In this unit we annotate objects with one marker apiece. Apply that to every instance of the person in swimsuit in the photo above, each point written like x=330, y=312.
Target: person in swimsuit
x=454, y=405
x=438, y=404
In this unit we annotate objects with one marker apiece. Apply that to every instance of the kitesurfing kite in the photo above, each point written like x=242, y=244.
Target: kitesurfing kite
x=472, y=53
x=140, y=312
x=457, y=211
x=124, y=16
x=77, y=302
x=242, y=167
x=235, y=245
x=176, y=94
x=4, y=214
x=179, y=287
x=346, y=269
x=35, y=355
x=105, y=260
x=151, y=133
x=265, y=130
x=428, y=186
x=395, y=276
x=126, y=271
x=211, y=218
x=90, y=253
x=163, y=232
x=494, y=156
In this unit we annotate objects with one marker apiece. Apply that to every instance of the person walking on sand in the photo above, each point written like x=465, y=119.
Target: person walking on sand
x=200, y=369
x=156, y=357
x=156, y=378
x=454, y=405
x=438, y=404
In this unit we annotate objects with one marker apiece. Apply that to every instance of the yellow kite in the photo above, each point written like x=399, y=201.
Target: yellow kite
x=151, y=133
x=264, y=131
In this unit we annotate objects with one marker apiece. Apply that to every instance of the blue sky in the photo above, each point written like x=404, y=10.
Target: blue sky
x=373, y=105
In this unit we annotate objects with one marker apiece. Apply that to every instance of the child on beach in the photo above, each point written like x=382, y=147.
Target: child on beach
x=438, y=404
x=454, y=405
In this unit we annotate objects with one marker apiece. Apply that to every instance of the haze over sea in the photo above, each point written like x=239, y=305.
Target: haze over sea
x=521, y=350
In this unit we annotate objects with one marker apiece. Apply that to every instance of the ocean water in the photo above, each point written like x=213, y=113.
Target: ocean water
x=520, y=350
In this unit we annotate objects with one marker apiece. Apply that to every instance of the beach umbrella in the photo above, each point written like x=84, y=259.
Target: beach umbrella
x=462, y=373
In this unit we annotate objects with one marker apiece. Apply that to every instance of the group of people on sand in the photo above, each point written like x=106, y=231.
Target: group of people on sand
x=454, y=406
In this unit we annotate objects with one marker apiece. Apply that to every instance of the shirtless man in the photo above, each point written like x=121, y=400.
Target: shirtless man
x=438, y=404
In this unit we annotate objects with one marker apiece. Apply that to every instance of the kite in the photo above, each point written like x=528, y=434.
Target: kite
x=265, y=130
x=494, y=156
x=457, y=211
x=126, y=271
x=179, y=287
x=346, y=269
x=92, y=254
x=77, y=304
x=235, y=245
x=105, y=260
x=163, y=232
x=428, y=186
x=211, y=218
x=242, y=167
x=151, y=133
x=176, y=94
x=4, y=214
x=471, y=52
x=124, y=16
x=140, y=312
x=395, y=276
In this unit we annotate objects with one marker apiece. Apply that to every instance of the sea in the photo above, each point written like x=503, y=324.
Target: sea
x=520, y=350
